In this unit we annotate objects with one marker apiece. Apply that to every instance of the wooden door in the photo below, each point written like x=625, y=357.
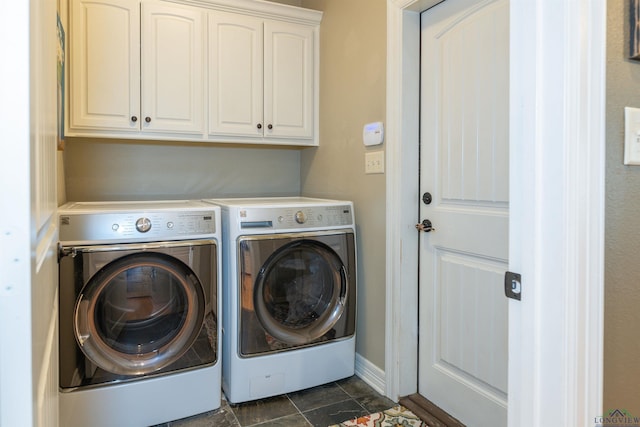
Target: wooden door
x=104, y=61
x=288, y=80
x=173, y=73
x=463, y=347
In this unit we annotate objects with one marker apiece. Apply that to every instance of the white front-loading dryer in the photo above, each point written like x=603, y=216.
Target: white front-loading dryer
x=139, y=308
x=289, y=294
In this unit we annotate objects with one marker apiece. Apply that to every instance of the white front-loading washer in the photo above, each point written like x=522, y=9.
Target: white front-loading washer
x=289, y=295
x=139, y=307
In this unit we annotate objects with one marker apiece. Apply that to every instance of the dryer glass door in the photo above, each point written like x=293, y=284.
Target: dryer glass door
x=298, y=296
x=139, y=313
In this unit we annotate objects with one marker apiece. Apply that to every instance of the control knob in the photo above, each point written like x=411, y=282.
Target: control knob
x=300, y=217
x=143, y=225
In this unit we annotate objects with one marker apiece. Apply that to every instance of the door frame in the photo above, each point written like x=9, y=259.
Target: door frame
x=557, y=104
x=17, y=258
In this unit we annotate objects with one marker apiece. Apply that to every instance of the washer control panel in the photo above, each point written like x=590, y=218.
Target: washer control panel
x=145, y=226
x=307, y=217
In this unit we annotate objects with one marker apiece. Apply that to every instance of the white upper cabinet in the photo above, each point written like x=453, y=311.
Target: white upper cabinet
x=173, y=68
x=235, y=75
x=104, y=65
x=136, y=68
x=234, y=71
x=262, y=79
x=288, y=80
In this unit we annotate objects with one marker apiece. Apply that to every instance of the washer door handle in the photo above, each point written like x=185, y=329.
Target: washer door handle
x=81, y=325
x=344, y=285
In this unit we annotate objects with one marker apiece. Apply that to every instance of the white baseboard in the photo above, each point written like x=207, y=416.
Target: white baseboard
x=371, y=374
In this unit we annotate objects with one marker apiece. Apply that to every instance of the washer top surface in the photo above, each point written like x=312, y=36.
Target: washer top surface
x=137, y=221
x=133, y=206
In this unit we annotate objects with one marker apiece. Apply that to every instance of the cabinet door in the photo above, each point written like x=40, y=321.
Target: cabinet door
x=104, y=73
x=173, y=85
x=235, y=75
x=288, y=80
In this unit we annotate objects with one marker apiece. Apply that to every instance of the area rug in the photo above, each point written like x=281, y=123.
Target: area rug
x=394, y=417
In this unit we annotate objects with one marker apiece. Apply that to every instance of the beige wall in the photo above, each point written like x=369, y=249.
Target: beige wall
x=129, y=170
x=352, y=93
x=622, y=229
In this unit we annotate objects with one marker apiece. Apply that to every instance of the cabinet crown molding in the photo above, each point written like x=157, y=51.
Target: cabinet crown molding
x=259, y=8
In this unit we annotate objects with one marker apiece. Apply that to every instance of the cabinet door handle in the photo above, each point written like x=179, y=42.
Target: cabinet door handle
x=147, y=119
x=270, y=126
x=259, y=125
x=134, y=119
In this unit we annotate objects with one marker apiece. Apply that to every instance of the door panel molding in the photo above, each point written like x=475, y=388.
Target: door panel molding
x=487, y=370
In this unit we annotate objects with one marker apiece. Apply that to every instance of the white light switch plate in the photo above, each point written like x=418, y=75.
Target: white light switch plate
x=631, y=136
x=374, y=162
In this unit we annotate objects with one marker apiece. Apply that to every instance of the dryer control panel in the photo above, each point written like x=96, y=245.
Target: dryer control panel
x=299, y=217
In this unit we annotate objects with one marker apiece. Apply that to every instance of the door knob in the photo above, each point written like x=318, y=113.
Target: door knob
x=425, y=226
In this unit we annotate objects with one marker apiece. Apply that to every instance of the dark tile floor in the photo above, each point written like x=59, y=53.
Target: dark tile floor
x=319, y=407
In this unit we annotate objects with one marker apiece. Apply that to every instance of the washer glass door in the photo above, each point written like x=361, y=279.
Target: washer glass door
x=139, y=313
